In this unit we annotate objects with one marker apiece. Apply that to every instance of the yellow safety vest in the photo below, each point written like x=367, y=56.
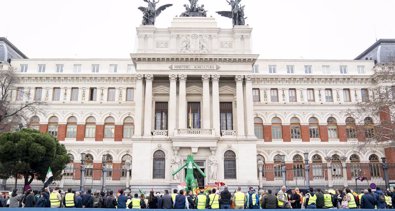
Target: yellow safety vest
x=69, y=200
x=214, y=201
x=239, y=199
x=173, y=197
x=136, y=203
x=253, y=196
x=312, y=199
x=351, y=203
x=388, y=201
x=202, y=200
x=279, y=202
x=53, y=198
x=128, y=202
x=328, y=200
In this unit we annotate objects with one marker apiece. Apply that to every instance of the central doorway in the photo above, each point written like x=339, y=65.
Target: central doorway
x=199, y=178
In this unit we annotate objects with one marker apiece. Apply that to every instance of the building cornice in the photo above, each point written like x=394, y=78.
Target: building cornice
x=311, y=79
x=218, y=58
x=69, y=78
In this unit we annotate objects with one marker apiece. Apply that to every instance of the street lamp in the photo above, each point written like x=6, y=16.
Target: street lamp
x=283, y=169
x=385, y=168
x=103, y=181
x=83, y=158
x=260, y=169
x=307, y=170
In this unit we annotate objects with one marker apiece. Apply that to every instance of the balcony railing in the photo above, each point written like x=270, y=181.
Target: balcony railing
x=196, y=132
x=228, y=133
x=160, y=133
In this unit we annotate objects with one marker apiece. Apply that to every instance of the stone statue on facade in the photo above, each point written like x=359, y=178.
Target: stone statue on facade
x=150, y=12
x=175, y=165
x=236, y=14
x=213, y=164
x=194, y=10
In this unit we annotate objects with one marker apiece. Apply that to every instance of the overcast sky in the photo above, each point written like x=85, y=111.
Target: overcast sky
x=326, y=29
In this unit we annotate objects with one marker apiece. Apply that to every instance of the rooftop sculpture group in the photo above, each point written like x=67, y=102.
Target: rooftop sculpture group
x=150, y=12
x=194, y=10
x=237, y=12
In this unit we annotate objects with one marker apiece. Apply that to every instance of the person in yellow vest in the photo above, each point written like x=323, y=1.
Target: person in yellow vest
x=239, y=198
x=135, y=202
x=360, y=197
x=252, y=199
x=214, y=199
x=311, y=199
x=69, y=199
x=55, y=198
x=352, y=204
x=282, y=198
x=202, y=200
x=130, y=197
x=173, y=195
x=328, y=200
x=388, y=200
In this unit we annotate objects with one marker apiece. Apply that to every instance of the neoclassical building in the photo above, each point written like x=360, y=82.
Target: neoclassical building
x=195, y=88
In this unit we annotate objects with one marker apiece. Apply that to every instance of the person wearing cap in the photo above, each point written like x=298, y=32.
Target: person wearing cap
x=239, y=199
x=252, y=199
x=225, y=198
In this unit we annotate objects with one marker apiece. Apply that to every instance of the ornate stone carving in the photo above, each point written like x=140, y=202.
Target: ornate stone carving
x=194, y=43
x=227, y=44
x=182, y=77
x=213, y=164
x=149, y=77
x=215, y=77
x=173, y=77
x=239, y=78
x=194, y=10
x=150, y=12
x=162, y=44
x=205, y=77
x=175, y=165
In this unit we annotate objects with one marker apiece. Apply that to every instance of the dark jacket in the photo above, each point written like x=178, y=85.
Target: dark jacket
x=122, y=201
x=320, y=200
x=87, y=200
x=295, y=197
x=191, y=202
x=111, y=202
x=30, y=200
x=160, y=202
x=269, y=202
x=180, y=202
x=368, y=201
x=380, y=204
x=167, y=202
x=153, y=202
x=78, y=202
x=44, y=201
x=225, y=197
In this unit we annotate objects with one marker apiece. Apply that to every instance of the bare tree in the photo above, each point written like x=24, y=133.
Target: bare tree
x=13, y=113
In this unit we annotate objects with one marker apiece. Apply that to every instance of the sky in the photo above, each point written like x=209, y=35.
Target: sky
x=282, y=29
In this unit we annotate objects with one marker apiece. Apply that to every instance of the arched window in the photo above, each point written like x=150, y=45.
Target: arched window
x=332, y=128
x=317, y=166
x=295, y=128
x=159, y=165
x=90, y=127
x=351, y=128
x=369, y=127
x=128, y=127
x=126, y=165
x=258, y=123
x=230, y=165
x=34, y=123
x=355, y=164
x=374, y=166
x=277, y=128
x=88, y=165
x=53, y=126
x=108, y=158
x=337, y=167
x=277, y=166
x=109, y=127
x=261, y=158
x=69, y=170
x=314, y=128
x=298, y=166
x=71, y=130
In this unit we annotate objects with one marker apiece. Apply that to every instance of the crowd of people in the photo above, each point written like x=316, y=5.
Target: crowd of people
x=204, y=199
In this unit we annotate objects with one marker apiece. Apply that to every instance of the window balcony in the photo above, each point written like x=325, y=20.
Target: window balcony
x=227, y=133
x=195, y=132
x=160, y=133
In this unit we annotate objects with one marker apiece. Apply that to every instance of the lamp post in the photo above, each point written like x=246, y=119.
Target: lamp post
x=283, y=169
x=103, y=178
x=260, y=169
x=82, y=169
x=307, y=170
x=385, y=168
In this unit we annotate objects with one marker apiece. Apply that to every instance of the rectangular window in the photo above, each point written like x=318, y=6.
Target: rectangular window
x=308, y=69
x=317, y=170
x=277, y=132
x=256, y=95
x=295, y=132
x=346, y=95
x=109, y=130
x=24, y=68
x=56, y=94
x=256, y=69
x=128, y=130
x=278, y=171
x=328, y=95
x=310, y=95
x=226, y=116
x=161, y=115
x=38, y=93
x=314, y=131
x=272, y=69
x=59, y=68
x=111, y=94
x=95, y=68
x=274, y=95
x=332, y=132
x=326, y=69
x=361, y=69
x=129, y=68
x=71, y=131
x=92, y=94
x=53, y=130
x=129, y=94
x=74, y=94
x=292, y=95
x=77, y=68
x=193, y=115
x=290, y=69
x=365, y=95
x=343, y=69
x=90, y=131
x=113, y=68
x=20, y=91
x=41, y=68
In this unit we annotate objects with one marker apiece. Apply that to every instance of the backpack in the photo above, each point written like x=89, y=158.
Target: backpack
x=356, y=198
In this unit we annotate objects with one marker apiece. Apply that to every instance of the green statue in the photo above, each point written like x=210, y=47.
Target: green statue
x=189, y=178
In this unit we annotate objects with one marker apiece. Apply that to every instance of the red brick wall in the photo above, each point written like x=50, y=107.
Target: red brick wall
x=269, y=174
x=97, y=171
x=287, y=133
x=99, y=132
x=305, y=133
x=390, y=155
x=289, y=171
x=80, y=132
x=341, y=129
x=61, y=132
x=360, y=133
x=43, y=128
x=385, y=115
x=118, y=135
x=116, y=173
x=348, y=165
x=77, y=171
x=324, y=133
x=267, y=133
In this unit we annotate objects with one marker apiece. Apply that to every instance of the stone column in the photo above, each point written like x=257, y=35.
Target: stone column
x=139, y=106
x=128, y=164
x=148, y=106
x=344, y=165
x=249, y=107
x=206, y=102
x=240, y=105
x=172, y=104
x=215, y=116
x=329, y=171
x=182, y=100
